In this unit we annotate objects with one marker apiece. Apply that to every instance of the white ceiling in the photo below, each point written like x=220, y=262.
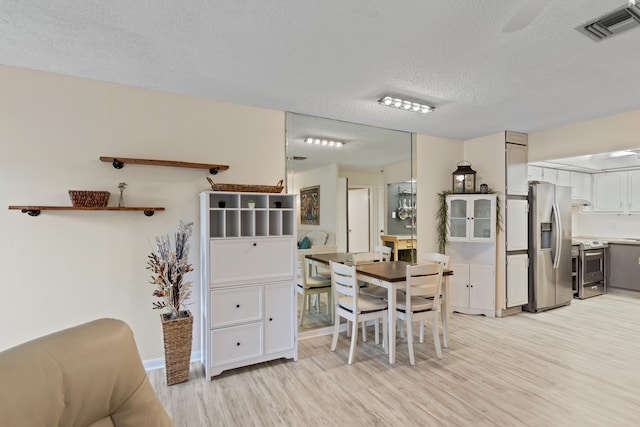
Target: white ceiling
x=336, y=58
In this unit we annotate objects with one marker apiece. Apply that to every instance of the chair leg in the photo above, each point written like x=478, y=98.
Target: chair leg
x=303, y=309
x=354, y=341
x=377, y=331
x=364, y=331
x=421, y=331
x=436, y=335
x=400, y=328
x=385, y=334
x=444, y=329
x=349, y=328
x=412, y=359
x=336, y=331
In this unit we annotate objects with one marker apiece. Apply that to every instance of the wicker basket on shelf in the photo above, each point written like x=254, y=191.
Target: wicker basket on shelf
x=247, y=188
x=89, y=199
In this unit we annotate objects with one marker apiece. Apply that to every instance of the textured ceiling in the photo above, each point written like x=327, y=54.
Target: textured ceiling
x=336, y=58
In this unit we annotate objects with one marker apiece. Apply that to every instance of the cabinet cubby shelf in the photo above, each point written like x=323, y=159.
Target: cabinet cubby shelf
x=231, y=217
x=35, y=210
x=119, y=162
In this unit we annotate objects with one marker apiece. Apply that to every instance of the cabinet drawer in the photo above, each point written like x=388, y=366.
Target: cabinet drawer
x=245, y=260
x=232, y=306
x=404, y=244
x=229, y=345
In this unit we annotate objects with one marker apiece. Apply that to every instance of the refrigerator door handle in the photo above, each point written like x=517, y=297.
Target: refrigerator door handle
x=558, y=235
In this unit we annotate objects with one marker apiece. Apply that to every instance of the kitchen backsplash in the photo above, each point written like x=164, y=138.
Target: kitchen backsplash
x=606, y=225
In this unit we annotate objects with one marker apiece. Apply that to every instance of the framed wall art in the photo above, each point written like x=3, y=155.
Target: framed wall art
x=310, y=205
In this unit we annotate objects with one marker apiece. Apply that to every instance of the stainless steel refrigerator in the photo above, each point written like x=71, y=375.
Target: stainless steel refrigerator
x=550, y=283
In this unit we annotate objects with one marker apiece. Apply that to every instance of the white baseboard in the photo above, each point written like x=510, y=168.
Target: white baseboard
x=153, y=364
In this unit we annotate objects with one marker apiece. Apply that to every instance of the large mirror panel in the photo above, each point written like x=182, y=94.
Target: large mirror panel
x=350, y=198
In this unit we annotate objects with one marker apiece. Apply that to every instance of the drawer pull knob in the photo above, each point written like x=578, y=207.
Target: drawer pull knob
x=270, y=319
x=238, y=344
x=237, y=305
x=255, y=244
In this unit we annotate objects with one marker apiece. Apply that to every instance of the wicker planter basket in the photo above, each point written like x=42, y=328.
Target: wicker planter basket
x=247, y=188
x=177, y=335
x=89, y=199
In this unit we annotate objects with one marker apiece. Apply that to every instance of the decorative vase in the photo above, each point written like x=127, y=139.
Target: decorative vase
x=251, y=205
x=177, y=335
x=222, y=203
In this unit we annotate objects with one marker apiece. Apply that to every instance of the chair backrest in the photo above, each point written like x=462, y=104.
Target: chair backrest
x=302, y=268
x=425, y=280
x=367, y=258
x=343, y=281
x=384, y=250
x=435, y=257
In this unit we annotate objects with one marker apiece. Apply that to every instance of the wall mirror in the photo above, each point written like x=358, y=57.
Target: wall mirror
x=349, y=195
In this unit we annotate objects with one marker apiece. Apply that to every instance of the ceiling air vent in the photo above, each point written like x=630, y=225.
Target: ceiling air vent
x=615, y=22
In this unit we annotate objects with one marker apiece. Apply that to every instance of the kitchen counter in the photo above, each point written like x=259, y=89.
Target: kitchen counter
x=614, y=240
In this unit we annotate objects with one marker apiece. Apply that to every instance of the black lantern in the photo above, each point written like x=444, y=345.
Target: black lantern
x=464, y=178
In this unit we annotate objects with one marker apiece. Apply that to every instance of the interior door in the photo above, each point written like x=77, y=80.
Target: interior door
x=358, y=218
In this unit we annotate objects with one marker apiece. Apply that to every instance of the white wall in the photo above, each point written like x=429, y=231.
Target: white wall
x=436, y=159
x=326, y=177
x=64, y=268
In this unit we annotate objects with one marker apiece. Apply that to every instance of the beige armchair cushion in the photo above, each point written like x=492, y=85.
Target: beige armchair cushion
x=88, y=375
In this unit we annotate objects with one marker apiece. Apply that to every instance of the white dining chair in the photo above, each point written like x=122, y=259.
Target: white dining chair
x=384, y=250
x=426, y=257
x=309, y=285
x=422, y=301
x=354, y=307
x=368, y=289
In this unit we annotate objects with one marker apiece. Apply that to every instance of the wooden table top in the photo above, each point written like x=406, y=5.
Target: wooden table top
x=389, y=271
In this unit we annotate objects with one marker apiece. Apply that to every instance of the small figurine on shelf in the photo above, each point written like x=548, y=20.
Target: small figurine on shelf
x=121, y=186
x=251, y=204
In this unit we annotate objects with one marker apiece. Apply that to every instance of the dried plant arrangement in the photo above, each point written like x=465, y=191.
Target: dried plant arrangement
x=168, y=267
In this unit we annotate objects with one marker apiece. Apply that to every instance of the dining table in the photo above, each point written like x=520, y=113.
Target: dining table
x=392, y=276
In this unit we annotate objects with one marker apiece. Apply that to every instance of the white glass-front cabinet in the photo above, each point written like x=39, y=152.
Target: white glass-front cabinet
x=472, y=248
x=471, y=217
x=247, y=279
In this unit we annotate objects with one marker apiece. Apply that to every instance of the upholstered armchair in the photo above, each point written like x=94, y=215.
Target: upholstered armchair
x=88, y=375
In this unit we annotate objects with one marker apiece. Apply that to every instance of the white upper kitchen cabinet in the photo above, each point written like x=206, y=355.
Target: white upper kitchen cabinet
x=516, y=159
x=534, y=173
x=549, y=175
x=634, y=191
x=609, y=191
x=563, y=178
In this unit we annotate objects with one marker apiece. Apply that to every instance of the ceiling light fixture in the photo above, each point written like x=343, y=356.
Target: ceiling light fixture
x=324, y=142
x=405, y=104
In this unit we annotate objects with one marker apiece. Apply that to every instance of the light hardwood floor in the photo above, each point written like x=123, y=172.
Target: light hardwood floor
x=572, y=366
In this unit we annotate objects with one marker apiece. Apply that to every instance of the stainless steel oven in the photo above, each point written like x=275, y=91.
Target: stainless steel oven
x=592, y=265
x=592, y=268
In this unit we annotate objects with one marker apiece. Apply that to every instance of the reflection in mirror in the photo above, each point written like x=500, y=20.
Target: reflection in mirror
x=356, y=190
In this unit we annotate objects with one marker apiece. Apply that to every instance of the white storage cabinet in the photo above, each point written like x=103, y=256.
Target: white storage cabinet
x=472, y=248
x=247, y=279
x=471, y=217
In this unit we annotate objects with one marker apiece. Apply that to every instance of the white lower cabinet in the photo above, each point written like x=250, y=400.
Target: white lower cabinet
x=473, y=289
x=247, y=280
x=517, y=280
x=279, y=319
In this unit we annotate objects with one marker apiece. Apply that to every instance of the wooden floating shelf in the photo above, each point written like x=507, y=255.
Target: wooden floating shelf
x=119, y=162
x=35, y=210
